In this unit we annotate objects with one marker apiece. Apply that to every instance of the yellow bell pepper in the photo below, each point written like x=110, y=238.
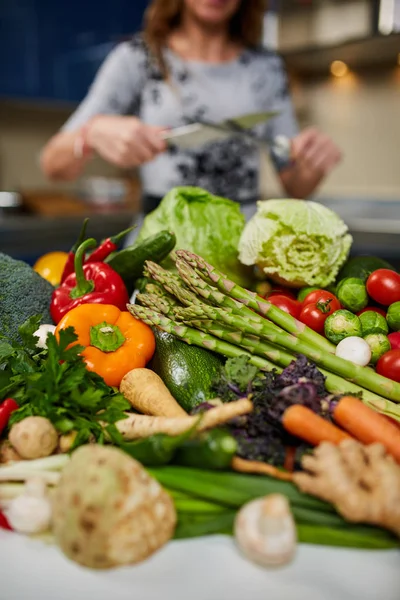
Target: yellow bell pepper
x=51, y=265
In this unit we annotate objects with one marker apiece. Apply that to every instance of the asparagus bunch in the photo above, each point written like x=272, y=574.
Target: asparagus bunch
x=233, y=321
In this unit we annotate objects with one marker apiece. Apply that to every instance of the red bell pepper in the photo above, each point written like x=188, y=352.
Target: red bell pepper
x=6, y=408
x=4, y=524
x=69, y=265
x=107, y=246
x=94, y=283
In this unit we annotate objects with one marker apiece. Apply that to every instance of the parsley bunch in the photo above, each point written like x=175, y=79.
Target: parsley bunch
x=54, y=383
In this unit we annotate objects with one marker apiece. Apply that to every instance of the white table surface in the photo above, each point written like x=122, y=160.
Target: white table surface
x=200, y=569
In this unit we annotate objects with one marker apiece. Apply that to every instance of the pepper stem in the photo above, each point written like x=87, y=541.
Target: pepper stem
x=106, y=337
x=83, y=285
x=116, y=239
x=81, y=236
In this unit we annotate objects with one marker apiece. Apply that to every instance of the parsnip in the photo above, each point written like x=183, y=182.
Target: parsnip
x=148, y=394
x=140, y=426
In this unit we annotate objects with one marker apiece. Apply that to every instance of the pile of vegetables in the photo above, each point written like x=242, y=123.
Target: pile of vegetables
x=247, y=411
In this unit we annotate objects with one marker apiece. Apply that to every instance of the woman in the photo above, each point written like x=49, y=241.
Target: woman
x=196, y=59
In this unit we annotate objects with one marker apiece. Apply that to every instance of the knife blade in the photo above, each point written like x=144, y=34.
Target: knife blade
x=191, y=136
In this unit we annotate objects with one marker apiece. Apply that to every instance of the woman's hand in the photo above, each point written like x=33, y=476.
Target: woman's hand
x=315, y=152
x=314, y=156
x=125, y=141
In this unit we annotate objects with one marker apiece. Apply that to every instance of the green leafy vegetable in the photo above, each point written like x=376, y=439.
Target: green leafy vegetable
x=294, y=241
x=54, y=383
x=206, y=224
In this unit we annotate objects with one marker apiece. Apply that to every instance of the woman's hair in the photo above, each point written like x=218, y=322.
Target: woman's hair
x=163, y=16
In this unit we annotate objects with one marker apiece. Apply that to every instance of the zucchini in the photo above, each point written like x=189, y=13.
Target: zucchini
x=213, y=449
x=129, y=262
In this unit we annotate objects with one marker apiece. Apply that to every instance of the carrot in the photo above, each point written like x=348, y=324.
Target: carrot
x=148, y=394
x=141, y=426
x=367, y=425
x=305, y=424
x=254, y=466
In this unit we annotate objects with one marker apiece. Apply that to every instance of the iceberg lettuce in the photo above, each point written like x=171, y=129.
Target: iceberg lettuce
x=203, y=223
x=296, y=242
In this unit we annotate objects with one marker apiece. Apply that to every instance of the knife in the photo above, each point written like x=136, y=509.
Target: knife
x=191, y=136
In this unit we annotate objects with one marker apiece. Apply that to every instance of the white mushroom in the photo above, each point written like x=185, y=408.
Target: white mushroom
x=41, y=333
x=31, y=512
x=265, y=531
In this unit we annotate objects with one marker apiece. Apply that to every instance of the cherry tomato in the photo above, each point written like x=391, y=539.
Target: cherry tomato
x=314, y=315
x=293, y=307
x=374, y=308
x=322, y=296
x=383, y=286
x=389, y=365
x=278, y=290
x=394, y=339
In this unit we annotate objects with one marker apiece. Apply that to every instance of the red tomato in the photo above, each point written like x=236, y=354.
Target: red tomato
x=383, y=286
x=322, y=296
x=278, y=290
x=289, y=305
x=314, y=315
x=389, y=365
x=375, y=309
x=394, y=339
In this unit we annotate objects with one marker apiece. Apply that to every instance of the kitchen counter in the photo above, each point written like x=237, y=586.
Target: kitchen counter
x=373, y=223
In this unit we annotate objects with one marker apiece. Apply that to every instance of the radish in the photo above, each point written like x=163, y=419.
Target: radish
x=394, y=339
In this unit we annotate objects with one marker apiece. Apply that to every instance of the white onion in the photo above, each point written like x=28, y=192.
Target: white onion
x=355, y=350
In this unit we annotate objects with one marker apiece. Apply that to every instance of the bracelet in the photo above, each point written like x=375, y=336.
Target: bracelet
x=81, y=146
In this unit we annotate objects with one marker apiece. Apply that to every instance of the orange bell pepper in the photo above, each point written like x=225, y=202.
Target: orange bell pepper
x=115, y=342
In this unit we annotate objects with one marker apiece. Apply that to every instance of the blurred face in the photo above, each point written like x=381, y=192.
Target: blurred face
x=212, y=12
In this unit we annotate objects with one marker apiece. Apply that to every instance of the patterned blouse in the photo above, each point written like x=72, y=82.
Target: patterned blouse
x=130, y=83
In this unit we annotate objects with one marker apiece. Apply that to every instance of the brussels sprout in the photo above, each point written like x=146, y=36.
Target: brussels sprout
x=373, y=322
x=342, y=324
x=379, y=344
x=352, y=294
x=304, y=292
x=393, y=316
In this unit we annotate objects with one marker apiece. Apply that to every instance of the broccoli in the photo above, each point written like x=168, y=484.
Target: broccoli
x=23, y=293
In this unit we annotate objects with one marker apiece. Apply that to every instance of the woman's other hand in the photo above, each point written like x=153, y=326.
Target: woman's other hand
x=125, y=141
x=315, y=152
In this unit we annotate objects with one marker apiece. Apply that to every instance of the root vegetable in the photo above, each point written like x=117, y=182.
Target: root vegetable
x=108, y=510
x=363, y=482
x=366, y=425
x=66, y=442
x=254, y=466
x=265, y=531
x=8, y=453
x=148, y=394
x=34, y=437
x=305, y=424
x=139, y=426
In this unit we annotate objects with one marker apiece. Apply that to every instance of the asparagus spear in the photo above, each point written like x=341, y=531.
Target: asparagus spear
x=363, y=376
x=213, y=277
x=192, y=336
x=333, y=383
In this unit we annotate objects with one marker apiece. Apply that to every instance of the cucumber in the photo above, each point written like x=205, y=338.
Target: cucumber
x=187, y=371
x=362, y=267
x=129, y=262
x=210, y=450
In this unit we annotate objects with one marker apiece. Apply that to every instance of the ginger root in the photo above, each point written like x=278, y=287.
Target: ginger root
x=363, y=482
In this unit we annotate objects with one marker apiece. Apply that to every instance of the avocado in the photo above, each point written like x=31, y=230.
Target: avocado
x=362, y=267
x=187, y=371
